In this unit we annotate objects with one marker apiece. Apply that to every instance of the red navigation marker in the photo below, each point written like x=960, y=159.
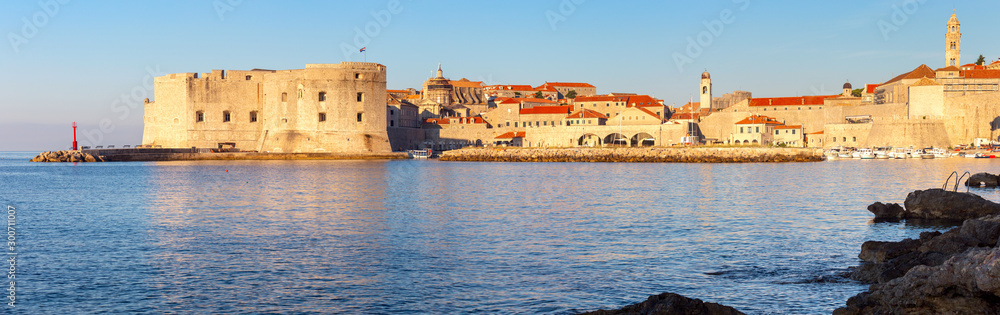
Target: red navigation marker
x=74, y=136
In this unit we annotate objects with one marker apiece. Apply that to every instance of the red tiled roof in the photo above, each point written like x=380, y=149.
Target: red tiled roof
x=870, y=88
x=536, y=100
x=466, y=83
x=598, y=98
x=923, y=71
x=510, y=100
x=788, y=127
x=511, y=135
x=685, y=115
x=981, y=74
x=567, y=84
x=790, y=101
x=538, y=110
x=816, y=133
x=949, y=68
x=586, y=113
x=412, y=97
x=510, y=87
x=649, y=112
x=759, y=119
x=687, y=107
x=439, y=121
x=629, y=100
x=644, y=101
x=397, y=91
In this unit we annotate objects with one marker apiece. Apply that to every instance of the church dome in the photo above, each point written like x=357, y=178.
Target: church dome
x=848, y=85
x=704, y=75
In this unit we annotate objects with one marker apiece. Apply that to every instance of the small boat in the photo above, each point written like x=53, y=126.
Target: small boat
x=940, y=153
x=898, y=153
x=882, y=152
x=419, y=154
x=865, y=154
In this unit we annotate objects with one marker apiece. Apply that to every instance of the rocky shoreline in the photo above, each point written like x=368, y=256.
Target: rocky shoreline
x=675, y=155
x=955, y=272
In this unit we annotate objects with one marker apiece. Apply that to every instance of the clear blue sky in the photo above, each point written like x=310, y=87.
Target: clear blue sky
x=72, y=62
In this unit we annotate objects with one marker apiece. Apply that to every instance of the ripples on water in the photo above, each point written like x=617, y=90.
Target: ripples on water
x=428, y=236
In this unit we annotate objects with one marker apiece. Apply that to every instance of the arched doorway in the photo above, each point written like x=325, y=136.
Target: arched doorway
x=589, y=140
x=616, y=139
x=642, y=139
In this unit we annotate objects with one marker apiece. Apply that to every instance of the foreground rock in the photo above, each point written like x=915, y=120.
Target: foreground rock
x=983, y=180
x=955, y=272
x=681, y=155
x=670, y=304
x=885, y=261
x=968, y=283
x=66, y=156
x=936, y=204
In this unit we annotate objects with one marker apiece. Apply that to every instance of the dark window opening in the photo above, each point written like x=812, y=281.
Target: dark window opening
x=359, y=117
x=199, y=116
x=322, y=117
x=361, y=97
x=322, y=96
x=249, y=77
x=253, y=116
x=226, y=116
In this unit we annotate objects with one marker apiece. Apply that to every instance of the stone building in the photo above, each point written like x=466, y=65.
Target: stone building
x=563, y=88
x=336, y=108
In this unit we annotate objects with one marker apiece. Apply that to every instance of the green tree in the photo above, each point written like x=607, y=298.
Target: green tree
x=571, y=94
x=857, y=92
x=538, y=94
x=517, y=94
x=981, y=61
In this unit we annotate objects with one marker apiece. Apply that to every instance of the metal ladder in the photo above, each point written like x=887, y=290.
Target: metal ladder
x=958, y=181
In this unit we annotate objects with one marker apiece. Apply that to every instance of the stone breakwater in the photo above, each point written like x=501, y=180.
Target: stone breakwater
x=66, y=156
x=677, y=155
x=144, y=154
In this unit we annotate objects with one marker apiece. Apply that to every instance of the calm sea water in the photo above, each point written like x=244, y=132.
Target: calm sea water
x=380, y=237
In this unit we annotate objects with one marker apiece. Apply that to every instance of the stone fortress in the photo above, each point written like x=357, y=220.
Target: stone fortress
x=336, y=108
x=346, y=108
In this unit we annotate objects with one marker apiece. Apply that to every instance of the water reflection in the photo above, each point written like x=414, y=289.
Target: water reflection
x=435, y=237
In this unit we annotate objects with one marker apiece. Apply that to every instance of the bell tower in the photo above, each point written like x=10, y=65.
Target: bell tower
x=953, y=43
x=706, y=91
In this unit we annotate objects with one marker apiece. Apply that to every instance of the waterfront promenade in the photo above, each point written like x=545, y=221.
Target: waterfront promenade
x=679, y=155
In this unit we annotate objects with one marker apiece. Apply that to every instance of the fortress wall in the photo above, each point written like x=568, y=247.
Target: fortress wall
x=289, y=125
x=846, y=135
x=172, y=122
x=918, y=133
x=971, y=116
